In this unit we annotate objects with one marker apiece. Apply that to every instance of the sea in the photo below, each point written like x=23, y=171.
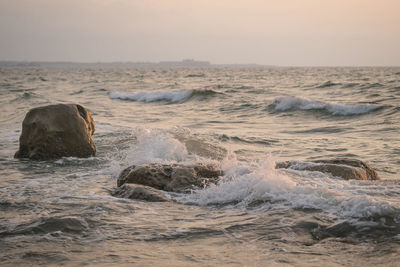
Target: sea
x=61, y=212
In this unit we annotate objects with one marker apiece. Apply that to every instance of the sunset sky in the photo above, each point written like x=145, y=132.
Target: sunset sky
x=284, y=32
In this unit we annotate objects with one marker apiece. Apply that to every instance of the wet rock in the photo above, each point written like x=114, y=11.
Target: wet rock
x=344, y=168
x=57, y=131
x=173, y=177
x=140, y=192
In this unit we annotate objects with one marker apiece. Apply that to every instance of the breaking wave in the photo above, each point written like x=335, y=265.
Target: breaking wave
x=168, y=96
x=298, y=103
x=161, y=146
x=260, y=183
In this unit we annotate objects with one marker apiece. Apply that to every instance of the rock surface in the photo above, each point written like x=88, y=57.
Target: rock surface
x=140, y=192
x=63, y=130
x=173, y=177
x=344, y=168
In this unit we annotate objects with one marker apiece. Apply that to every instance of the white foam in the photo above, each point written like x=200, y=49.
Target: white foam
x=247, y=183
x=243, y=183
x=151, y=146
x=170, y=96
x=298, y=103
x=64, y=160
x=154, y=145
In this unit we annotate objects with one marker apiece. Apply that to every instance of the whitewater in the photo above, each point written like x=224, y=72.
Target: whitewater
x=243, y=120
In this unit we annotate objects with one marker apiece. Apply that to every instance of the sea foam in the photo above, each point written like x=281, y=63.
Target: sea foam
x=174, y=96
x=170, y=96
x=154, y=146
x=248, y=183
x=298, y=103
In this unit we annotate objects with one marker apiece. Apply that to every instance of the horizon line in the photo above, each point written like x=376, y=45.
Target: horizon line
x=171, y=62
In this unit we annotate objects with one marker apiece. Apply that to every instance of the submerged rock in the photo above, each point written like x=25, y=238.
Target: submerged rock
x=173, y=177
x=140, y=192
x=344, y=168
x=63, y=130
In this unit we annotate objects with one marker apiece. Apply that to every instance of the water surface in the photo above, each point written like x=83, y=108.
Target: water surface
x=243, y=119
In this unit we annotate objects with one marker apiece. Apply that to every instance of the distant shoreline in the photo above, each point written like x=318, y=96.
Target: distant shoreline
x=176, y=64
x=161, y=64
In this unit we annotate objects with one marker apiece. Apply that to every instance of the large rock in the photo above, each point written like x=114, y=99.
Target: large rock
x=173, y=177
x=344, y=168
x=139, y=192
x=57, y=131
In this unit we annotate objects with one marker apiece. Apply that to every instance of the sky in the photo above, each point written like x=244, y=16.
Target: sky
x=270, y=32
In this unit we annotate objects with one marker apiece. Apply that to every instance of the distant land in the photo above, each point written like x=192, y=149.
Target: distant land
x=183, y=63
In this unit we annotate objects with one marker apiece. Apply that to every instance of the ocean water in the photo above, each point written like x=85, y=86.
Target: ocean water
x=61, y=212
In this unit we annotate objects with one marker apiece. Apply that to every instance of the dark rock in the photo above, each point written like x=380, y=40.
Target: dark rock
x=174, y=177
x=344, y=168
x=57, y=131
x=140, y=192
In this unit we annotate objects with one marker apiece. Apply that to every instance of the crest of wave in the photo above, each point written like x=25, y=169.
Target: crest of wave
x=151, y=146
x=244, y=182
x=154, y=146
x=289, y=103
x=171, y=96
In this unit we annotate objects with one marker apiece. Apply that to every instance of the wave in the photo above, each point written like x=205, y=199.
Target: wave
x=298, y=103
x=261, y=185
x=327, y=130
x=250, y=140
x=371, y=85
x=195, y=75
x=328, y=84
x=244, y=87
x=49, y=225
x=26, y=95
x=249, y=184
x=165, y=147
x=168, y=96
x=153, y=146
x=77, y=92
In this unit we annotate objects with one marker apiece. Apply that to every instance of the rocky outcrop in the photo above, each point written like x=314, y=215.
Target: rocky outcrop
x=344, y=168
x=139, y=192
x=57, y=131
x=173, y=177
